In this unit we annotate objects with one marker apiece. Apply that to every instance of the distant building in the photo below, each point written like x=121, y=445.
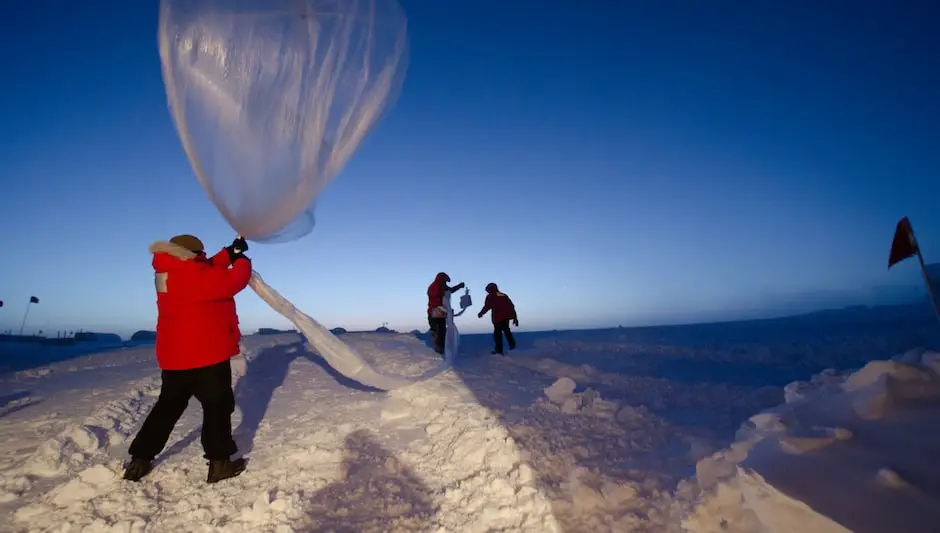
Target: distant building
x=89, y=336
x=274, y=331
x=144, y=336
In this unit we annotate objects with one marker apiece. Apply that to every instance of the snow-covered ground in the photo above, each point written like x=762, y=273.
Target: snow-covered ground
x=576, y=431
x=850, y=452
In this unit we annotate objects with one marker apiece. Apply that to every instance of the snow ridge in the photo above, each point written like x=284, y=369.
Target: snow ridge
x=79, y=451
x=424, y=458
x=850, y=452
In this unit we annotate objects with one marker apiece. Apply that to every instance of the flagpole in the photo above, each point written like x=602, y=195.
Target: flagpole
x=933, y=298
x=26, y=314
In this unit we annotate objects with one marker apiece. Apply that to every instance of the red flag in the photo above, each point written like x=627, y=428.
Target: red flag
x=33, y=300
x=904, y=244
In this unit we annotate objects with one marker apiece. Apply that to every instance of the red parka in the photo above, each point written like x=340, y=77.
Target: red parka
x=499, y=303
x=197, y=325
x=437, y=289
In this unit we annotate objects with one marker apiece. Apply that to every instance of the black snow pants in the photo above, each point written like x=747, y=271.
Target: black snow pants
x=438, y=333
x=500, y=328
x=212, y=386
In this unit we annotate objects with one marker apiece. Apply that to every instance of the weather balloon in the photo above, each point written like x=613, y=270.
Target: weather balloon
x=272, y=97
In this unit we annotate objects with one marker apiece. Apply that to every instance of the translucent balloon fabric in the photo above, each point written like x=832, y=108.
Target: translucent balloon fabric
x=271, y=98
x=344, y=359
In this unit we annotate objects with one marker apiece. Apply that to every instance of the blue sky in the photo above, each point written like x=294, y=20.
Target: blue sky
x=613, y=163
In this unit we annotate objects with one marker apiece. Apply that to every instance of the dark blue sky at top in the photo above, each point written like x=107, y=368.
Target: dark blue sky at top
x=606, y=162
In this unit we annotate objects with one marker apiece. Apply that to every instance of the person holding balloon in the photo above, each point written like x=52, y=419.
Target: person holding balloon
x=437, y=313
x=197, y=335
x=264, y=154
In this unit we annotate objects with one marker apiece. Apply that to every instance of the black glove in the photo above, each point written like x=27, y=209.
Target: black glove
x=479, y=315
x=515, y=322
x=237, y=249
x=457, y=287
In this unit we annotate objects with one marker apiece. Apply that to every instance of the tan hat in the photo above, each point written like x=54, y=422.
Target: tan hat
x=189, y=242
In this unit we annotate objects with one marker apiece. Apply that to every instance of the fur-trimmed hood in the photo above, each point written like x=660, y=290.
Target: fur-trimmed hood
x=168, y=256
x=175, y=250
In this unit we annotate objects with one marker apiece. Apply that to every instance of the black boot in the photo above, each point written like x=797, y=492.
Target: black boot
x=137, y=469
x=219, y=470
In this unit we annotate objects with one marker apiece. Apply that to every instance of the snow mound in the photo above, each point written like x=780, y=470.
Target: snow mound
x=70, y=451
x=561, y=395
x=852, y=452
x=476, y=463
x=561, y=390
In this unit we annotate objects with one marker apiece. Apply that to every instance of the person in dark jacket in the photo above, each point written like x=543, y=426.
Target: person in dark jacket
x=197, y=335
x=437, y=318
x=502, y=311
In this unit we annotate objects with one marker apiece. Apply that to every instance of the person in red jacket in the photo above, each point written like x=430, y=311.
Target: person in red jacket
x=502, y=311
x=437, y=318
x=197, y=334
